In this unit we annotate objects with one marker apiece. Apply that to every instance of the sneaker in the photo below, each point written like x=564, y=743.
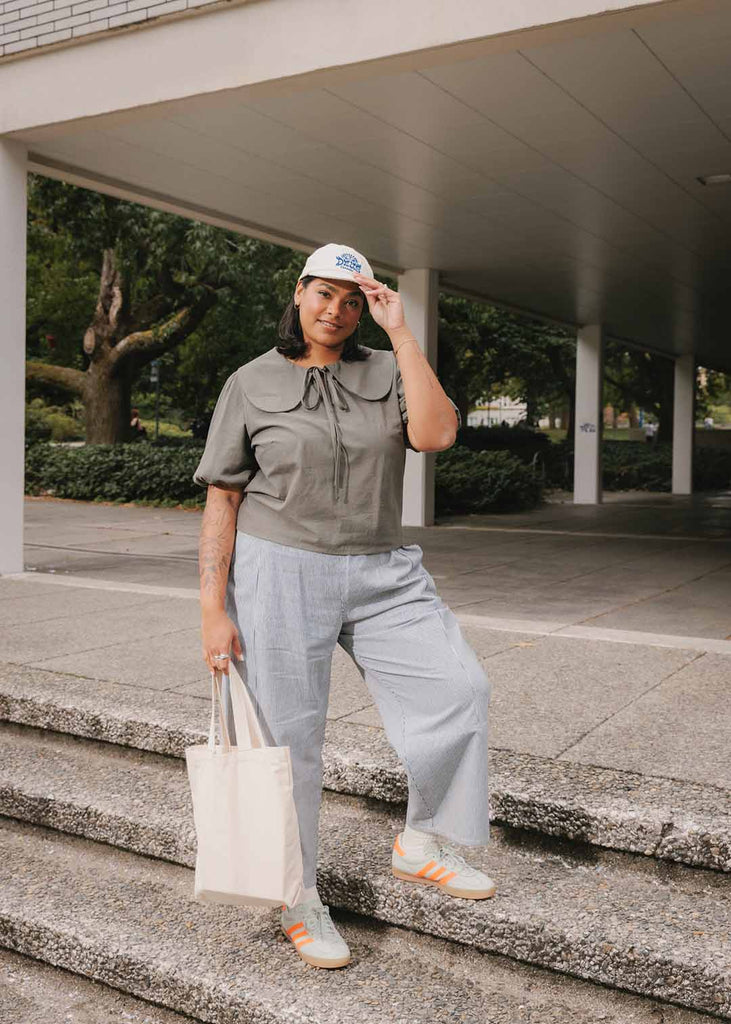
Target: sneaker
x=311, y=931
x=441, y=866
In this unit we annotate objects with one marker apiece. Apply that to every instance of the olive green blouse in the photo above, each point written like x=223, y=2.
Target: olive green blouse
x=319, y=451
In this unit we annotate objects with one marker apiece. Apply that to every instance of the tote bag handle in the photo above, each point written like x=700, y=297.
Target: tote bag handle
x=248, y=731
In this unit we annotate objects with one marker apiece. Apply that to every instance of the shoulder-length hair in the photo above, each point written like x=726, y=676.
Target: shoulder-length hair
x=292, y=341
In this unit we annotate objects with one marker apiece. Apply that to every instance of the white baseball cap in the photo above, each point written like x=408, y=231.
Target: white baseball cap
x=336, y=261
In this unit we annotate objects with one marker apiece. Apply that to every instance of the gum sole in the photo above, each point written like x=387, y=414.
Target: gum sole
x=314, y=961
x=465, y=894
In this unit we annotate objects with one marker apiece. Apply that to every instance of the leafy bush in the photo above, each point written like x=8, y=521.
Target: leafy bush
x=466, y=481
x=519, y=440
x=636, y=465
x=124, y=472
x=484, y=481
x=711, y=469
x=50, y=423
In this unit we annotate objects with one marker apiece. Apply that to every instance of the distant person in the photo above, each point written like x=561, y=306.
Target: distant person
x=138, y=431
x=650, y=432
x=708, y=423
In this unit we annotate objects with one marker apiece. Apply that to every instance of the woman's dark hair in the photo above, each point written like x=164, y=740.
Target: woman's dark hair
x=292, y=341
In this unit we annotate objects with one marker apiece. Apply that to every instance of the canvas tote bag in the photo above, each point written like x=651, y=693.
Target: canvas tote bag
x=245, y=818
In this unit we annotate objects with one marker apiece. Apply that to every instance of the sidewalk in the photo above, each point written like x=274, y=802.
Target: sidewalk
x=605, y=635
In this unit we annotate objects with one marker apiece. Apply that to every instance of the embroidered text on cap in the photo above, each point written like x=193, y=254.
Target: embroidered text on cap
x=348, y=260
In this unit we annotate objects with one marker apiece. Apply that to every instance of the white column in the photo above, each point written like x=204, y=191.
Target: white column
x=13, y=175
x=588, y=429
x=419, y=291
x=683, y=424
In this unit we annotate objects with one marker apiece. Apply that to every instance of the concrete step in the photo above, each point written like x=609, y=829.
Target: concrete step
x=131, y=923
x=32, y=992
x=663, y=818
x=630, y=922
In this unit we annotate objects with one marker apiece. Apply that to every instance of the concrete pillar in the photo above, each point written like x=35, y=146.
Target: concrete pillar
x=588, y=430
x=683, y=424
x=13, y=177
x=419, y=290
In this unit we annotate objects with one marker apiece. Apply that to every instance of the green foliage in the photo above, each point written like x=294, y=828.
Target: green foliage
x=485, y=351
x=518, y=440
x=486, y=481
x=638, y=466
x=50, y=423
x=466, y=481
x=125, y=472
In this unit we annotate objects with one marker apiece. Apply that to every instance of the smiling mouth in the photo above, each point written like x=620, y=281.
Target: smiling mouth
x=332, y=327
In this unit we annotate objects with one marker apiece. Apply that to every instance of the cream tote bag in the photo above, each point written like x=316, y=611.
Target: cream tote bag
x=243, y=808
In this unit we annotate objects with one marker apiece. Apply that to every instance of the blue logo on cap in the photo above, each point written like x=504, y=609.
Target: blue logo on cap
x=348, y=260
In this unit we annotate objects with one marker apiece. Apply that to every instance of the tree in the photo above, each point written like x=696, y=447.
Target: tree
x=485, y=351
x=641, y=379
x=157, y=277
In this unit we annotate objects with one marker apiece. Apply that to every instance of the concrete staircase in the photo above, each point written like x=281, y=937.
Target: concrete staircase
x=614, y=899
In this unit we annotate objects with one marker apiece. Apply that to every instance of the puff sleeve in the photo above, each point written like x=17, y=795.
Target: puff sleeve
x=228, y=460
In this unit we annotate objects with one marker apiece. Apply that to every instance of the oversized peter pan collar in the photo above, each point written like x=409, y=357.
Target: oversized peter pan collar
x=275, y=384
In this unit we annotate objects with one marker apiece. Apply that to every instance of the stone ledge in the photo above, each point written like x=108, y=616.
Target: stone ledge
x=36, y=993
x=672, y=820
x=133, y=924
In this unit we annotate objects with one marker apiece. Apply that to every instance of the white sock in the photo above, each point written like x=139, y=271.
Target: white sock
x=415, y=842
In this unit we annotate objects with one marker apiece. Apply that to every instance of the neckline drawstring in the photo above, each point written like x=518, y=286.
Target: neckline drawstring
x=323, y=386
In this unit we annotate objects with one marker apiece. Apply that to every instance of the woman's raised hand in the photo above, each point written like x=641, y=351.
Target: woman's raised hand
x=383, y=302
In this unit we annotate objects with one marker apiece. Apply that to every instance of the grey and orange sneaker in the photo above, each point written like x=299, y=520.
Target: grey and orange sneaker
x=310, y=929
x=440, y=865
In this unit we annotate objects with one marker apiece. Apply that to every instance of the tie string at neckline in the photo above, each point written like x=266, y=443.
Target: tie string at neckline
x=322, y=386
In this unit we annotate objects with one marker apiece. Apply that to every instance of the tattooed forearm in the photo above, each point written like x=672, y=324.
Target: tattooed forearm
x=218, y=529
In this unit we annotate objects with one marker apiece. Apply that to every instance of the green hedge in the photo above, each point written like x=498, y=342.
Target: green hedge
x=122, y=472
x=466, y=481
x=474, y=481
x=637, y=465
x=520, y=441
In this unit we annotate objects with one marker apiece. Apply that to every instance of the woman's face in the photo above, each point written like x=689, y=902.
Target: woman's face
x=329, y=310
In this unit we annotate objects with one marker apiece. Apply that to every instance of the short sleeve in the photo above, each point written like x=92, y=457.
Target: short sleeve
x=402, y=407
x=228, y=459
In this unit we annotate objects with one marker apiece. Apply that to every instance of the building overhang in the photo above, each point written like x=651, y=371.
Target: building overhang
x=551, y=167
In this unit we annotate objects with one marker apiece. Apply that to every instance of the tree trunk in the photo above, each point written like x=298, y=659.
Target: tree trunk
x=107, y=403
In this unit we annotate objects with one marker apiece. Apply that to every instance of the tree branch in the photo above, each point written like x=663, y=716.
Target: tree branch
x=144, y=346
x=64, y=377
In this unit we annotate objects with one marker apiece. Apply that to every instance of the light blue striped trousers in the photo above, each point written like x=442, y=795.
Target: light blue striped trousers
x=292, y=606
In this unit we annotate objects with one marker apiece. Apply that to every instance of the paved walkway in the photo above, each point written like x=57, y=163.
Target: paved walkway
x=606, y=632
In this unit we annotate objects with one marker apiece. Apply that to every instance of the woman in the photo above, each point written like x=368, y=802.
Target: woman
x=304, y=465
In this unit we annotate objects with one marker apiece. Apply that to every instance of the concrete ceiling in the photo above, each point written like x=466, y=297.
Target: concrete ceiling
x=560, y=179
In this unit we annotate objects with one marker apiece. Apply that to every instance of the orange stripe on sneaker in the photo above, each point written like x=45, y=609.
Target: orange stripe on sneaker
x=300, y=924
x=447, y=878
x=302, y=940
x=398, y=848
x=304, y=943
x=426, y=869
x=440, y=871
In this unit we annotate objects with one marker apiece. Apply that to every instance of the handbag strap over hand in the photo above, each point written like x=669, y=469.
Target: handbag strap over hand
x=248, y=731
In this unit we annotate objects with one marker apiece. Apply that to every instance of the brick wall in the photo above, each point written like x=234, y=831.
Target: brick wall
x=28, y=24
